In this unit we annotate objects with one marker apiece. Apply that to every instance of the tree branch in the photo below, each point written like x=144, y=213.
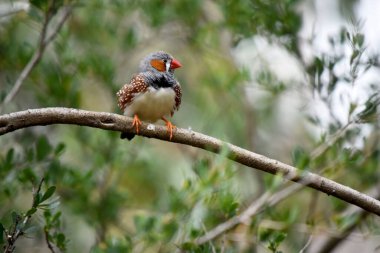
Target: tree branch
x=331, y=242
x=43, y=43
x=18, y=228
x=49, y=244
x=114, y=122
x=266, y=200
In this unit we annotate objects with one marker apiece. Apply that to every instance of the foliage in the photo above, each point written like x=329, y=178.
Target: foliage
x=93, y=192
x=19, y=225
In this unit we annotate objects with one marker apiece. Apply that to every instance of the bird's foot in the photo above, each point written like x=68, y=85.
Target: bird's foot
x=136, y=123
x=169, y=126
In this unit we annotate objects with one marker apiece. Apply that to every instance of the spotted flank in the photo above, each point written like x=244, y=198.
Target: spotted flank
x=130, y=90
x=178, y=97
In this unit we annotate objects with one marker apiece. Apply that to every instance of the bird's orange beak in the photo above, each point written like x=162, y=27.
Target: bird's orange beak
x=175, y=64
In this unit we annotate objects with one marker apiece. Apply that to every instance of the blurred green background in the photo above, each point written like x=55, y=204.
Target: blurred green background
x=295, y=80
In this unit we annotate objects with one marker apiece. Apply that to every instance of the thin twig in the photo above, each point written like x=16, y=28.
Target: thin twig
x=19, y=230
x=331, y=242
x=307, y=244
x=115, y=122
x=43, y=43
x=254, y=208
x=267, y=199
x=231, y=223
x=38, y=188
x=66, y=14
x=335, y=137
x=50, y=246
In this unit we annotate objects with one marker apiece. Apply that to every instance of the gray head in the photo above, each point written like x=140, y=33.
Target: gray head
x=159, y=62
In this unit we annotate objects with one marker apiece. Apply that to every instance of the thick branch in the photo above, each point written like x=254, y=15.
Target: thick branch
x=109, y=121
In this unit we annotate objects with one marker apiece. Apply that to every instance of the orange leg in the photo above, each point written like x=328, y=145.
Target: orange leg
x=169, y=126
x=136, y=123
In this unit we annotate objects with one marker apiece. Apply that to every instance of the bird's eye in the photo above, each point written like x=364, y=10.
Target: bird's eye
x=165, y=61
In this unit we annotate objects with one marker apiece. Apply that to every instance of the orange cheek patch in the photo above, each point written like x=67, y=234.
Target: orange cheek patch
x=158, y=64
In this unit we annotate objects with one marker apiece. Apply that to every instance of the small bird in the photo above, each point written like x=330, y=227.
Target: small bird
x=153, y=93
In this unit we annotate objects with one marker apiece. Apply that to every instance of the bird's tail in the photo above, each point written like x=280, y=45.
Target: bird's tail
x=128, y=136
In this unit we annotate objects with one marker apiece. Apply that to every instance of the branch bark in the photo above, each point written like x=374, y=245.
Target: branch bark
x=114, y=122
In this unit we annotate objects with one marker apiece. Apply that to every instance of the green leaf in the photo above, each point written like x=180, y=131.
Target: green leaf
x=40, y=4
x=359, y=39
x=15, y=217
x=49, y=192
x=31, y=211
x=201, y=168
x=354, y=55
x=188, y=246
x=43, y=148
x=319, y=65
x=276, y=240
x=370, y=111
x=169, y=229
x=59, y=149
x=348, y=35
x=7, y=163
x=56, y=216
x=144, y=224
x=44, y=5
x=27, y=175
x=300, y=158
x=353, y=106
x=279, y=238
x=47, y=215
x=29, y=154
x=194, y=233
x=61, y=241
x=37, y=199
x=10, y=156
x=228, y=204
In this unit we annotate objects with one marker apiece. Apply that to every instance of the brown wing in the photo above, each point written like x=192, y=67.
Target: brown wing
x=178, y=96
x=128, y=91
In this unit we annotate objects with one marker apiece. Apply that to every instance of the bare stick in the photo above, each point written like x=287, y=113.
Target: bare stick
x=335, y=137
x=66, y=14
x=331, y=242
x=49, y=244
x=44, y=41
x=307, y=244
x=257, y=206
x=110, y=121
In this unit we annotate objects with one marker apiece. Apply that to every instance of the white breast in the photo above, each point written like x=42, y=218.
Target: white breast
x=152, y=104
